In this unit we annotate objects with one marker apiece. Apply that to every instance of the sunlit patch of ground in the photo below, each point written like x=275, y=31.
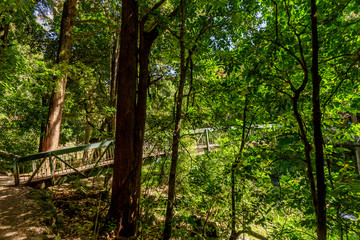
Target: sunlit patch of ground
x=18, y=215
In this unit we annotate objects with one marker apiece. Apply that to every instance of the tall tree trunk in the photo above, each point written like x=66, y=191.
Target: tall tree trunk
x=44, y=103
x=233, y=235
x=130, y=118
x=124, y=199
x=318, y=137
x=357, y=154
x=307, y=150
x=177, y=130
x=114, y=65
x=52, y=135
x=146, y=41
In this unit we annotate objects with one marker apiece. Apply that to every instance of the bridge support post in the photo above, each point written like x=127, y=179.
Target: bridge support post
x=207, y=140
x=52, y=168
x=16, y=173
x=33, y=164
x=165, y=150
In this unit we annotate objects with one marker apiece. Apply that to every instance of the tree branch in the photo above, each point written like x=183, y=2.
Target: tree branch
x=340, y=83
x=156, y=80
x=89, y=34
x=90, y=9
x=149, y=10
x=96, y=21
x=338, y=13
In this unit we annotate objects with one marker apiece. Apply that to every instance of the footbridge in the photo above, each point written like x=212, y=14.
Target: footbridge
x=81, y=160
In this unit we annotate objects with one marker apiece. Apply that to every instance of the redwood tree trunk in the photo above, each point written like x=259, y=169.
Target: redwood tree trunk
x=130, y=119
x=52, y=135
x=146, y=41
x=318, y=137
x=124, y=199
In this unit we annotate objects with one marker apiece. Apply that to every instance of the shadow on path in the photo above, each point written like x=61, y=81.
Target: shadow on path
x=18, y=220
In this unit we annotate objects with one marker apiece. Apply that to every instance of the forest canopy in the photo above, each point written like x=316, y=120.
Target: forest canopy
x=273, y=83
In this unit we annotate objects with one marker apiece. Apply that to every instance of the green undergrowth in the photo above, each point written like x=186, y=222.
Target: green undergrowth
x=73, y=210
x=202, y=209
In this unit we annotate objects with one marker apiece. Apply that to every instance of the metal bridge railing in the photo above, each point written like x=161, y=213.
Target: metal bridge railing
x=50, y=164
x=53, y=164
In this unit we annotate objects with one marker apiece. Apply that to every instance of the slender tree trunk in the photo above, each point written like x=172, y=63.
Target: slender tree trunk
x=124, y=200
x=4, y=31
x=52, y=135
x=233, y=235
x=87, y=133
x=177, y=130
x=318, y=137
x=113, y=83
x=42, y=133
x=44, y=103
x=307, y=150
x=355, y=120
x=357, y=153
x=233, y=204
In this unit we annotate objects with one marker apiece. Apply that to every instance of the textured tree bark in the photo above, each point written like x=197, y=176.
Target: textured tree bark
x=318, y=137
x=146, y=41
x=125, y=197
x=177, y=130
x=131, y=116
x=52, y=135
x=87, y=133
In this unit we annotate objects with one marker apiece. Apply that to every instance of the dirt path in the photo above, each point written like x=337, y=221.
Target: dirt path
x=18, y=217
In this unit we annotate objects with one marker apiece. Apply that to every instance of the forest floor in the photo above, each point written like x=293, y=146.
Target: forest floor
x=68, y=211
x=19, y=216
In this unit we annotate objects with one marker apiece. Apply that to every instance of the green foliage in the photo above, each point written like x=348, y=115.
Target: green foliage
x=254, y=54
x=21, y=108
x=74, y=210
